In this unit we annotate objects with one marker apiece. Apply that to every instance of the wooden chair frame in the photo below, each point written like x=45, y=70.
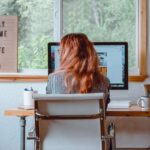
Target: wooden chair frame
x=100, y=115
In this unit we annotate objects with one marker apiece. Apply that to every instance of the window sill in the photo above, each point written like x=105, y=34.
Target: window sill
x=137, y=78
x=23, y=78
x=44, y=78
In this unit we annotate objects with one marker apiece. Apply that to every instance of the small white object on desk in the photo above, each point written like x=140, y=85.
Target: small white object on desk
x=28, y=101
x=119, y=104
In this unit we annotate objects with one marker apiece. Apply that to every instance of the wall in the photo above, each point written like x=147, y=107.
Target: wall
x=11, y=95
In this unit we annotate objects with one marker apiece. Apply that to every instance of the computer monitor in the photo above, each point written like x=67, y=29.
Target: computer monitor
x=113, y=61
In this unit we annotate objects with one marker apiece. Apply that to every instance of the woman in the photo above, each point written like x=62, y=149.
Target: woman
x=79, y=68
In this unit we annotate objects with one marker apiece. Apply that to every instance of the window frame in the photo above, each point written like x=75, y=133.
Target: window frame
x=58, y=26
x=142, y=43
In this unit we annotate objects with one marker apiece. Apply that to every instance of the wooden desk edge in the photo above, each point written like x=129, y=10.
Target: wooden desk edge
x=19, y=112
x=126, y=112
x=110, y=112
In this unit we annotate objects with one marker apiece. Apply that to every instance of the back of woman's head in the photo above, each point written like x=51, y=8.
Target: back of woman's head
x=78, y=57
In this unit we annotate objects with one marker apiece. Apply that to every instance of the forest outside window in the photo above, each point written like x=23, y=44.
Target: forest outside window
x=115, y=20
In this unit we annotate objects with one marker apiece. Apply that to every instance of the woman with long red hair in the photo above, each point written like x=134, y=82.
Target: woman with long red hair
x=79, y=68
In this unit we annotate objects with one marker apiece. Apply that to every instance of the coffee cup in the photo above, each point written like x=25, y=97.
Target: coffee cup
x=28, y=99
x=144, y=102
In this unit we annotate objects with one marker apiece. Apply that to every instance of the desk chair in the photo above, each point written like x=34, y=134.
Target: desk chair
x=70, y=121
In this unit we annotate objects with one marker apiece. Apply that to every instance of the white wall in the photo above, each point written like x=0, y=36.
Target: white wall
x=11, y=95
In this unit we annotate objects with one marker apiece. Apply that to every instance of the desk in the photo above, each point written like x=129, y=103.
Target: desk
x=126, y=112
x=22, y=113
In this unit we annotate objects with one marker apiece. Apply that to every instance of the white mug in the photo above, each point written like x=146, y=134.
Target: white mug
x=144, y=102
x=28, y=100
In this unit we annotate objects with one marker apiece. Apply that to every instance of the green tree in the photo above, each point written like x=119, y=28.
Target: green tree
x=35, y=29
x=103, y=20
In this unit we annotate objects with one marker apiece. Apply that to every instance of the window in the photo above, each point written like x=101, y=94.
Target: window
x=35, y=30
x=115, y=20
x=101, y=20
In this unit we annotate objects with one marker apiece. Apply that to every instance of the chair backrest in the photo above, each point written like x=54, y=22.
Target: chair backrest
x=63, y=121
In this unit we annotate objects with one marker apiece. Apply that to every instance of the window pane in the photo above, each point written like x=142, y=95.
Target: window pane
x=35, y=29
x=103, y=20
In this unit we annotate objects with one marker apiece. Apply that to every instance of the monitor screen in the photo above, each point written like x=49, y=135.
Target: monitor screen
x=113, y=58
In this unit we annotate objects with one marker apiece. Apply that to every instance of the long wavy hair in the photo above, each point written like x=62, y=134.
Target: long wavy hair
x=79, y=59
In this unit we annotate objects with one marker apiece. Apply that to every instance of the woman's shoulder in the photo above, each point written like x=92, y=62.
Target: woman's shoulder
x=56, y=73
x=104, y=79
x=102, y=84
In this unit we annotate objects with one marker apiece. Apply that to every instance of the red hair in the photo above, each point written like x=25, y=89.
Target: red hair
x=78, y=57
